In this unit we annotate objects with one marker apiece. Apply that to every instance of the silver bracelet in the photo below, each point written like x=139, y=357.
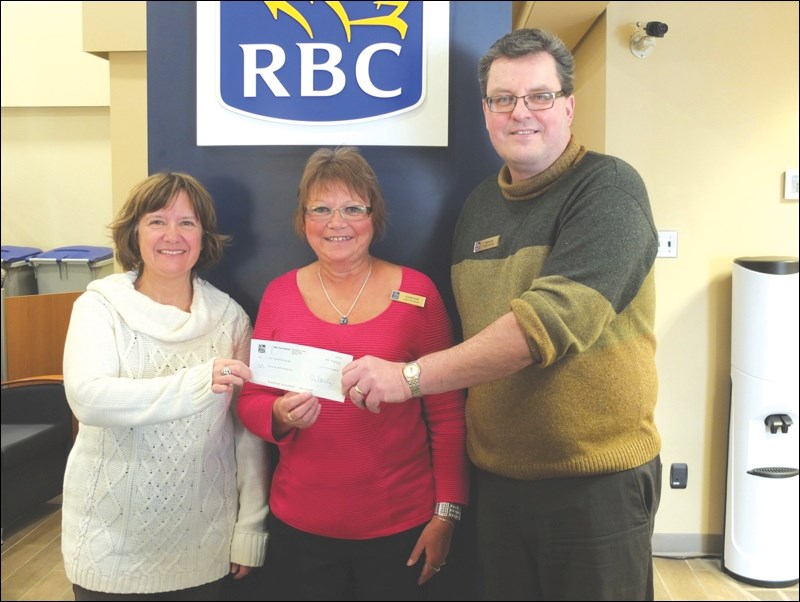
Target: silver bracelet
x=447, y=510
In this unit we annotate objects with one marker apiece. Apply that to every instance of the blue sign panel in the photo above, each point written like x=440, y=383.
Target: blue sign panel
x=321, y=62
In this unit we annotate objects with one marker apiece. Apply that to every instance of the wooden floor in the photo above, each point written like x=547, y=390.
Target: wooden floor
x=32, y=568
x=703, y=579
x=31, y=562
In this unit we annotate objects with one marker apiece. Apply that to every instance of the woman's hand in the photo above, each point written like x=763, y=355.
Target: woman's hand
x=239, y=570
x=228, y=374
x=435, y=542
x=294, y=410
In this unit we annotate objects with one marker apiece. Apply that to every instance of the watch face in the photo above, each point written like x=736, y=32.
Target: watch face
x=411, y=370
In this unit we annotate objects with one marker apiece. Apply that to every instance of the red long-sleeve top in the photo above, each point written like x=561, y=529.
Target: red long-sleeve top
x=354, y=474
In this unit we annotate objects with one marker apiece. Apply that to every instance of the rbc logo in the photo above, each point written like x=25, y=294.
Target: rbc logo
x=321, y=62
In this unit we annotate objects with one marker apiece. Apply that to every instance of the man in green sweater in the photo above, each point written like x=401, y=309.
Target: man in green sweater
x=553, y=277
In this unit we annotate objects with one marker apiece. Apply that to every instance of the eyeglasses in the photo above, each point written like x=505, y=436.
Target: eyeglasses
x=538, y=101
x=351, y=213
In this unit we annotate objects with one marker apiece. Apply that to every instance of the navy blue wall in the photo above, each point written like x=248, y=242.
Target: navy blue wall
x=255, y=187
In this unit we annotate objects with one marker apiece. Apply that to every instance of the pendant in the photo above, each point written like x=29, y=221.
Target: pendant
x=343, y=320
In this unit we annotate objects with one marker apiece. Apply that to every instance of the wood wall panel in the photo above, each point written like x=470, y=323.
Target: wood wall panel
x=36, y=328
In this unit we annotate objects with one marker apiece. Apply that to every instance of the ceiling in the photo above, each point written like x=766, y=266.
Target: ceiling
x=569, y=20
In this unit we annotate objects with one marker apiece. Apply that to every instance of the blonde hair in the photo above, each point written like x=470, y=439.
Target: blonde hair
x=342, y=165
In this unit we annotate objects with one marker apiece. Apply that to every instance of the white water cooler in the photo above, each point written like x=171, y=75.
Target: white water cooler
x=761, y=505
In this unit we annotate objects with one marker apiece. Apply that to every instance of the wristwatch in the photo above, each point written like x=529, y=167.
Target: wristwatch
x=448, y=510
x=411, y=374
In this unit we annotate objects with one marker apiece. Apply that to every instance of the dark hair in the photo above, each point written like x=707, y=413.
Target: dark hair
x=153, y=194
x=523, y=42
x=342, y=165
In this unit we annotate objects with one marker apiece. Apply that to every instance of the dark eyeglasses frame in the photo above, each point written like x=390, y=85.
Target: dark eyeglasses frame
x=490, y=100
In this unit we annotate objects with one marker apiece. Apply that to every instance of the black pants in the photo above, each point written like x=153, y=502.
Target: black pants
x=201, y=593
x=582, y=538
x=301, y=566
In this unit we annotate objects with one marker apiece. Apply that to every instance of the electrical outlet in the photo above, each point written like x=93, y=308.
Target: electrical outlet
x=667, y=243
x=678, y=476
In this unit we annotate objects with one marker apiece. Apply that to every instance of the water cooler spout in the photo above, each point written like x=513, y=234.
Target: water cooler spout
x=777, y=422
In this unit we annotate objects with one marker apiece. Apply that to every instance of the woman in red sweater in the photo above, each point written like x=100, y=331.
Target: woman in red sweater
x=363, y=505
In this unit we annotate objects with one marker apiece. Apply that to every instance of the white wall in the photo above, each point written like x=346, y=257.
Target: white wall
x=710, y=120
x=56, y=146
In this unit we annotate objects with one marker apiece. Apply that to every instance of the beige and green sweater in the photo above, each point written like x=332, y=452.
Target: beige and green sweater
x=575, y=263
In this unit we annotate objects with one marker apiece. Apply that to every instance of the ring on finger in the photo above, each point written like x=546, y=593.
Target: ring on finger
x=289, y=416
x=358, y=390
x=226, y=371
x=435, y=569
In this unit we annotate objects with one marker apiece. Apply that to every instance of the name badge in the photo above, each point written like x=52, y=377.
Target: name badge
x=417, y=300
x=486, y=244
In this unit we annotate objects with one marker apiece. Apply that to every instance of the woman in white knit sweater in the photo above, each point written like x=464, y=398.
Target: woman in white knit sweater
x=165, y=493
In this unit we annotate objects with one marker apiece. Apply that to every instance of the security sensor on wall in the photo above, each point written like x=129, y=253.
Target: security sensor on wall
x=643, y=41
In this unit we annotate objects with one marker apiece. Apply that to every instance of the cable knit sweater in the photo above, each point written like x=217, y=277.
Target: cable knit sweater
x=574, y=262
x=163, y=488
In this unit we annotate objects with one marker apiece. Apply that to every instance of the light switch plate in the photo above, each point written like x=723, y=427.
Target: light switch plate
x=667, y=243
x=790, y=185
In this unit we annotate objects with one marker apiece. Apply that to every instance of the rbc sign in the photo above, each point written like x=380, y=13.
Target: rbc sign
x=321, y=62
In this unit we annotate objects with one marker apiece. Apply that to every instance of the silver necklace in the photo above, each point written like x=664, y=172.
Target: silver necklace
x=343, y=318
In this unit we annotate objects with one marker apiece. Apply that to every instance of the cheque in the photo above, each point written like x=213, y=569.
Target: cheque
x=298, y=368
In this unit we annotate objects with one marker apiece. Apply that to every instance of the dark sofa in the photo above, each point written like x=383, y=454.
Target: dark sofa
x=36, y=440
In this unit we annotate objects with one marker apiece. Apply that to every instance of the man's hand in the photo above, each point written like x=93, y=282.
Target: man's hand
x=369, y=381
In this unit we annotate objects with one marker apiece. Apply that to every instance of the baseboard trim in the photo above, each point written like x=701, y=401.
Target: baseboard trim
x=687, y=544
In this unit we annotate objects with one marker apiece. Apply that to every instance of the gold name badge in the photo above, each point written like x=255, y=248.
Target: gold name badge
x=417, y=300
x=486, y=244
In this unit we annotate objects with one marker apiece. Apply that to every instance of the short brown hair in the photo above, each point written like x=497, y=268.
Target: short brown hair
x=153, y=194
x=342, y=165
x=523, y=42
